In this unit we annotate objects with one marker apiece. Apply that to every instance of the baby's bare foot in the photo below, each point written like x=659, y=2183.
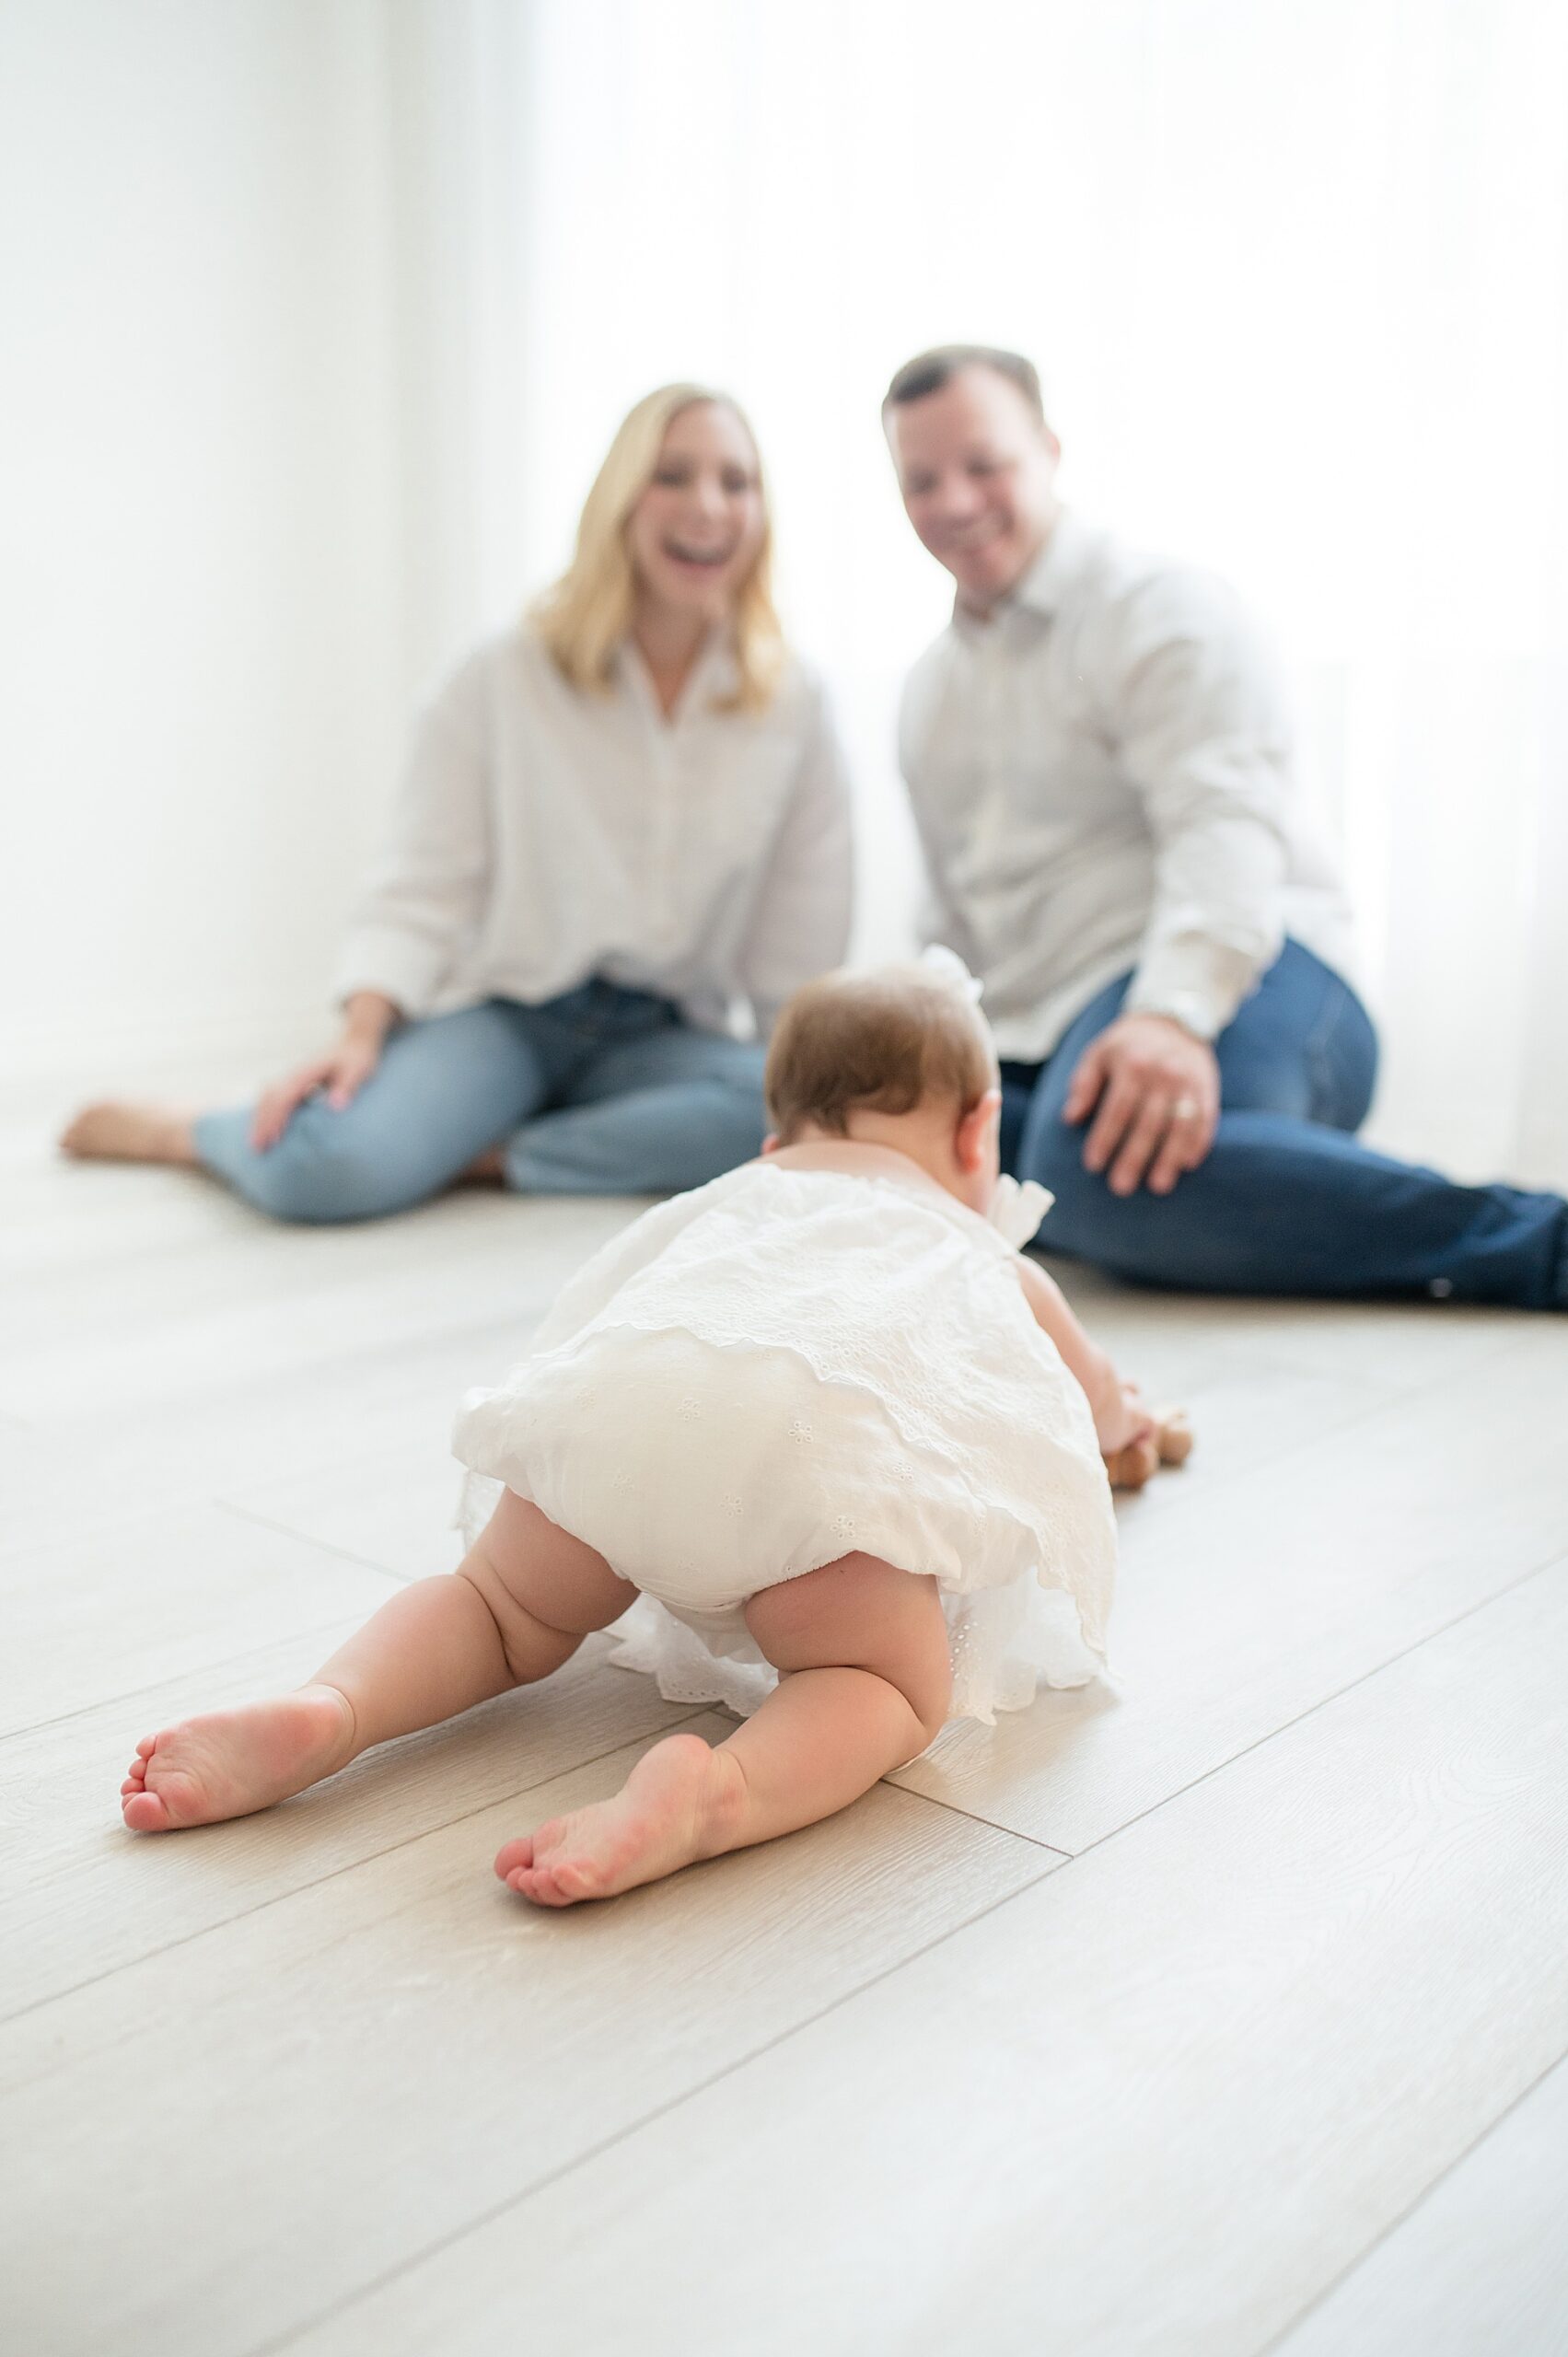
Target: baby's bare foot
x=131, y=1133
x=681, y=1801
x=230, y=1762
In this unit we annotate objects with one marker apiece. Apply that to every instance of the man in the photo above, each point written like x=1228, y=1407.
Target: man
x=1101, y=778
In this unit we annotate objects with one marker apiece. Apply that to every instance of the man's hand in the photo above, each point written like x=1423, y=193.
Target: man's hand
x=1157, y=1089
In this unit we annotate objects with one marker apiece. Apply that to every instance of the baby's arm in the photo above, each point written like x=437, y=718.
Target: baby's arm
x=1121, y=1418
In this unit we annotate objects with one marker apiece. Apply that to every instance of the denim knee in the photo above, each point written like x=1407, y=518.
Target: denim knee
x=312, y=1178
x=1054, y=1156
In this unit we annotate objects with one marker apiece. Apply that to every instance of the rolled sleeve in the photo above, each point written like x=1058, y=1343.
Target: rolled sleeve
x=1202, y=736
x=426, y=897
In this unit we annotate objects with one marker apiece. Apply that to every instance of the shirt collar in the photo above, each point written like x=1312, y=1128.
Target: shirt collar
x=1055, y=569
x=1043, y=585
x=714, y=677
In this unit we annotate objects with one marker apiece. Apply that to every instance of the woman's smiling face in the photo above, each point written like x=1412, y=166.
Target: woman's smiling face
x=696, y=531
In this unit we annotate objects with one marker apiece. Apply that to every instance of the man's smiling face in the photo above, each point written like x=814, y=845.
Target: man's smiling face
x=977, y=470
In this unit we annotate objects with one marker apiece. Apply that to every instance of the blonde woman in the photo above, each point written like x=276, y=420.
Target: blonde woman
x=623, y=822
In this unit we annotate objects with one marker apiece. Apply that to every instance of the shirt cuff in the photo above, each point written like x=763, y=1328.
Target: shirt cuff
x=407, y=970
x=1197, y=983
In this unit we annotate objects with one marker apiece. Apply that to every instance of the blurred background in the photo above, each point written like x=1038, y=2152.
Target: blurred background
x=319, y=313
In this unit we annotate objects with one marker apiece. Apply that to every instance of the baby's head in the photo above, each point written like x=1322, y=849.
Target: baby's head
x=899, y=1056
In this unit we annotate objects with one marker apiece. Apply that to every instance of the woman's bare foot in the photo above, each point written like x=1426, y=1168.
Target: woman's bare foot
x=131, y=1133
x=681, y=1801
x=231, y=1762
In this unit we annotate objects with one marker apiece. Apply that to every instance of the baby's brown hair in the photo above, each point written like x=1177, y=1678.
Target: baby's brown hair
x=882, y=1042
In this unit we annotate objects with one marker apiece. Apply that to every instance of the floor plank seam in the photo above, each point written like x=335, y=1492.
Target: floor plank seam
x=93, y=1526
x=306, y=1538
x=346, y=1622
x=177, y=1500
x=1052, y=1848
x=1283, y=1456
x=1278, y=2340
x=1537, y=1571
x=1398, y=1398
x=1405, y=1388
x=281, y=2343
x=358, y=1460
x=350, y=1865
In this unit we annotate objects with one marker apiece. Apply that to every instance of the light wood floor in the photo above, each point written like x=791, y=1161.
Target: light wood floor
x=1219, y=2012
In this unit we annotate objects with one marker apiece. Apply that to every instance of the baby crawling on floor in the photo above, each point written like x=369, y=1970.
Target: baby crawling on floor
x=820, y=1422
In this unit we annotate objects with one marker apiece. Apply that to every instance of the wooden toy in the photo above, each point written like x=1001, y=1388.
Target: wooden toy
x=1170, y=1443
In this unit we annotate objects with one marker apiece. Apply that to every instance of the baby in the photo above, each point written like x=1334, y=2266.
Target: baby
x=819, y=1421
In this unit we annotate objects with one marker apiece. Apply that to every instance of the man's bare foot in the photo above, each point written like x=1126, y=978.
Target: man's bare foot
x=487, y=1169
x=131, y=1133
x=231, y=1762
x=681, y=1801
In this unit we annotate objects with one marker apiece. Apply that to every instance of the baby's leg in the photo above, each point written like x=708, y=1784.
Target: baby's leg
x=519, y=1604
x=865, y=1685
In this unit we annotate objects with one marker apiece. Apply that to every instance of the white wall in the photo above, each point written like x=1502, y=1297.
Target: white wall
x=321, y=312
x=1295, y=275
x=206, y=653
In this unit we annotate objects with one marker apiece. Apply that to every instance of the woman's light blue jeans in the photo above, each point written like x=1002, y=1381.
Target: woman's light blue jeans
x=1288, y=1201
x=603, y=1092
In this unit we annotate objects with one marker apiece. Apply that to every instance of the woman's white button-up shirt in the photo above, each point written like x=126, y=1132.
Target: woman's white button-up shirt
x=1102, y=779
x=545, y=835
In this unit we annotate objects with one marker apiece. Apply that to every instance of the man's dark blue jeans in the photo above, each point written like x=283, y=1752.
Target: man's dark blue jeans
x=1288, y=1201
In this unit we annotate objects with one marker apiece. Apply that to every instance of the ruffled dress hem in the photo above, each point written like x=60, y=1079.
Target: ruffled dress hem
x=1000, y=1657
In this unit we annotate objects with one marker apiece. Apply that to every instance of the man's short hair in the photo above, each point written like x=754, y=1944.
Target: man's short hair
x=883, y=1041
x=929, y=371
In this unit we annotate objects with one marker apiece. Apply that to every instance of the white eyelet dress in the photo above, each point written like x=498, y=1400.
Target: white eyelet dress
x=789, y=1365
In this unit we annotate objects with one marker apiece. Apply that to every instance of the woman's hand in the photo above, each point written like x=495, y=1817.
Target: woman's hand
x=342, y=1072
x=1157, y=1089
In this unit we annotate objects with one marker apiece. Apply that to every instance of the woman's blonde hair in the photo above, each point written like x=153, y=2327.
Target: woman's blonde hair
x=586, y=615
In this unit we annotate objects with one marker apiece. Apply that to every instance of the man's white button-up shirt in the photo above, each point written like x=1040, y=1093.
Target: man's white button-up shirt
x=544, y=836
x=1101, y=778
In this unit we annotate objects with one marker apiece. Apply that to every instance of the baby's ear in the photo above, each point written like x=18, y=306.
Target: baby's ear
x=976, y=1129
x=770, y=1143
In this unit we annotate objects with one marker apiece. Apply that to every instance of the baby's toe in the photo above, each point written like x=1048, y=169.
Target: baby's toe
x=145, y=1813
x=541, y=1885
x=578, y=1882
x=512, y=1854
